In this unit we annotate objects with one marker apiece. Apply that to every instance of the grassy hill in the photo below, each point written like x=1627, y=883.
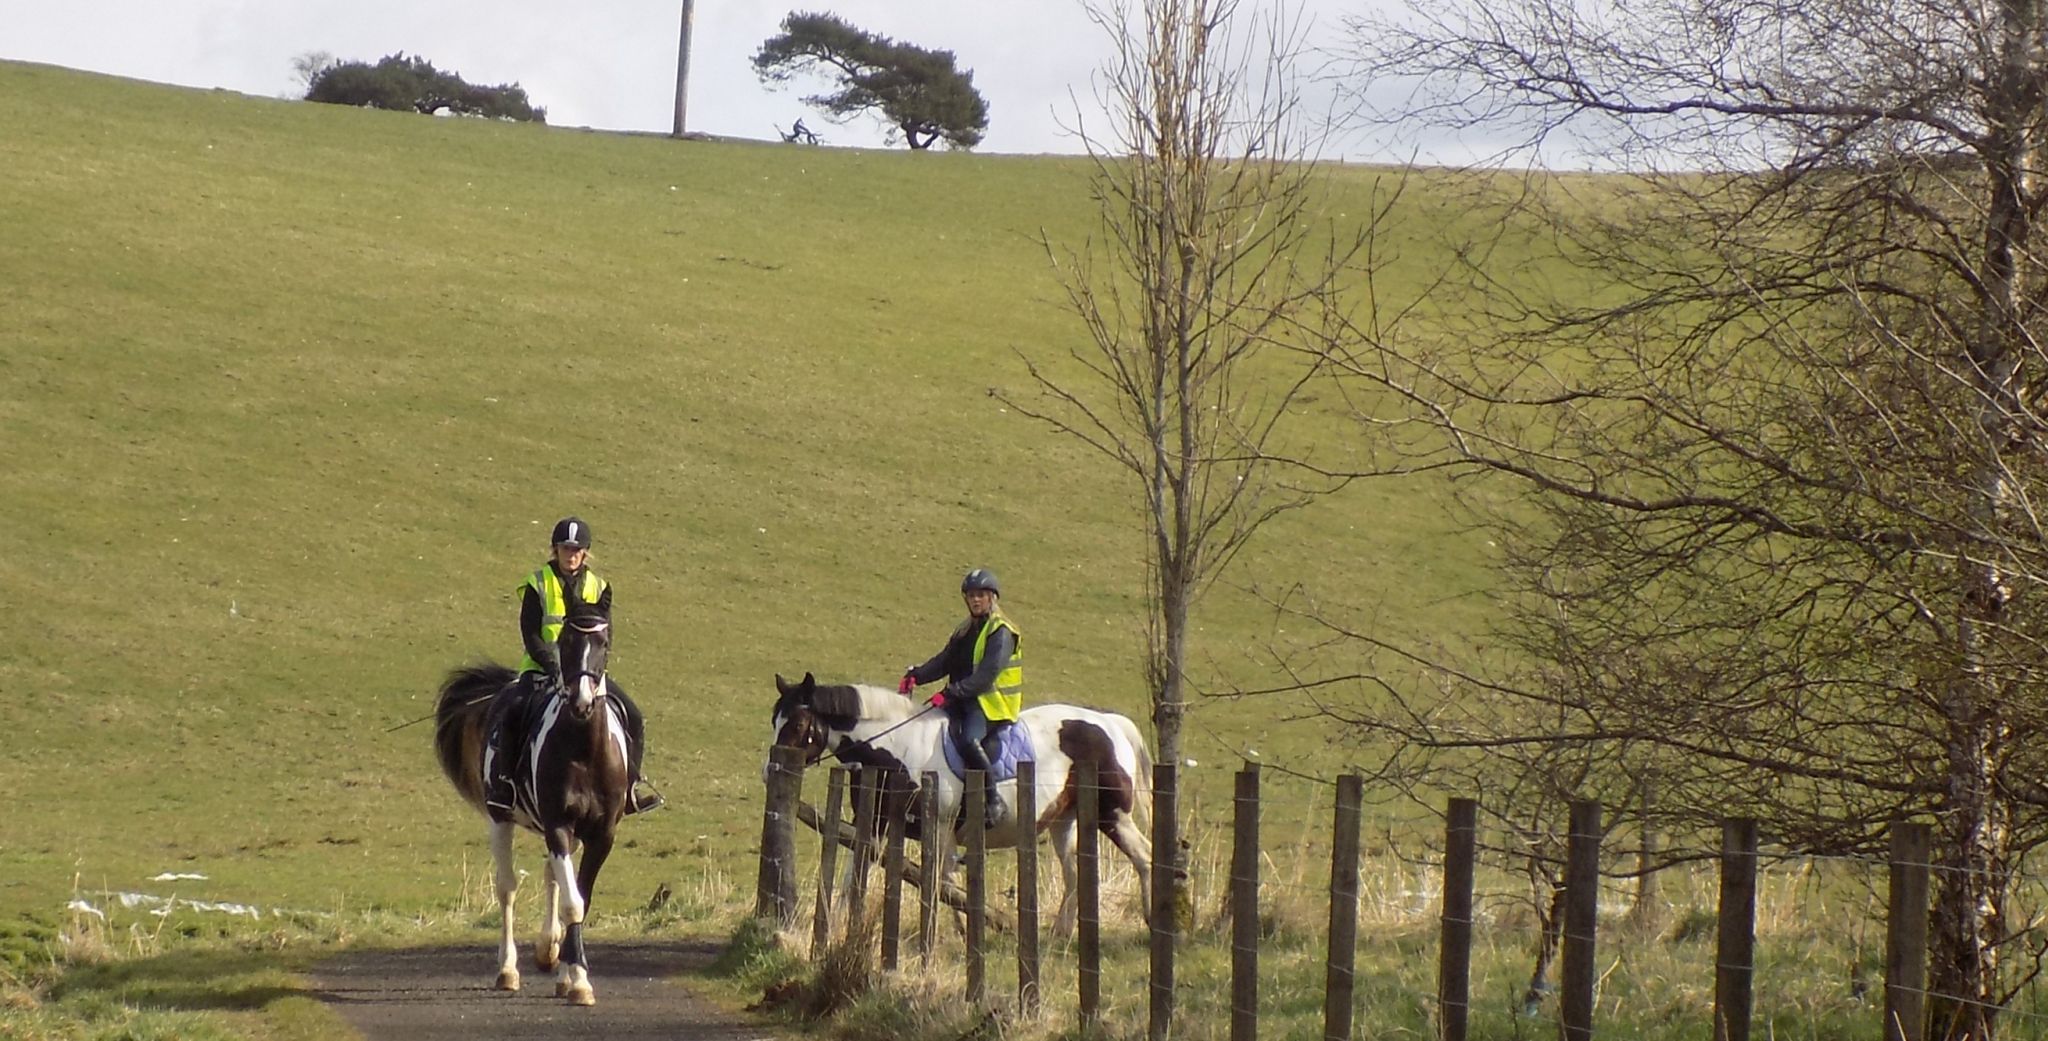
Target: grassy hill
x=291, y=394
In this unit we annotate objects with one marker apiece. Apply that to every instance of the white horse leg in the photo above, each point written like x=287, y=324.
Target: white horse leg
x=572, y=981
x=507, y=880
x=547, y=949
x=1062, y=832
x=1131, y=839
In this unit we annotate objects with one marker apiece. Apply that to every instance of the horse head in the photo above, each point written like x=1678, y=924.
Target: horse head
x=795, y=722
x=585, y=646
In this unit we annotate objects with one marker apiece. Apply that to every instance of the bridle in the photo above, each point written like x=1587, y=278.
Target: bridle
x=596, y=634
x=817, y=747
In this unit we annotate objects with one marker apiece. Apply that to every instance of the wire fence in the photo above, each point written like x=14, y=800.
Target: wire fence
x=1285, y=915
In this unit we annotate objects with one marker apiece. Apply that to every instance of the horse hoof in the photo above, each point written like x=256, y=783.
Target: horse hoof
x=582, y=995
x=508, y=980
x=561, y=988
x=545, y=962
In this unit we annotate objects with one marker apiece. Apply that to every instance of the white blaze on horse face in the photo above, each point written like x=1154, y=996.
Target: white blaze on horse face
x=586, y=692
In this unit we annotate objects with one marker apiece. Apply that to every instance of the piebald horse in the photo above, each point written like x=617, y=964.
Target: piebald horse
x=877, y=728
x=570, y=787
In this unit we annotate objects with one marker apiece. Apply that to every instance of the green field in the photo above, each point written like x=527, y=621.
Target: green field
x=291, y=394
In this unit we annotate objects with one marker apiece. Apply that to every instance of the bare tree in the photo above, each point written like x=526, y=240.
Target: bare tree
x=307, y=67
x=1775, y=410
x=1214, y=256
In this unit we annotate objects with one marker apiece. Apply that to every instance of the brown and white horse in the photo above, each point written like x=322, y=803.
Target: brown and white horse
x=570, y=786
x=877, y=728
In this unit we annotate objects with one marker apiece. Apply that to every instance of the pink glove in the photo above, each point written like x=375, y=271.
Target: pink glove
x=939, y=700
x=907, y=684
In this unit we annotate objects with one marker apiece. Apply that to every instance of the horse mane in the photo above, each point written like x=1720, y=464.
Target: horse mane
x=860, y=701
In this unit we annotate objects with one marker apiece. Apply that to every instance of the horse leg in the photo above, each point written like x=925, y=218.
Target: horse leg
x=1128, y=837
x=507, y=885
x=1062, y=832
x=562, y=873
x=575, y=962
x=547, y=948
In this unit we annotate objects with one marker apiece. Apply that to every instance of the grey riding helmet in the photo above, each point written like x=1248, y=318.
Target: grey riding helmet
x=980, y=578
x=571, y=531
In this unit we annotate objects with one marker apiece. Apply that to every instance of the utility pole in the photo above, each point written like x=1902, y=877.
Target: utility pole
x=683, y=67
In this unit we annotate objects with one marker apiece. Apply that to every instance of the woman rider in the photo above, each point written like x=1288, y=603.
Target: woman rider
x=983, y=665
x=564, y=585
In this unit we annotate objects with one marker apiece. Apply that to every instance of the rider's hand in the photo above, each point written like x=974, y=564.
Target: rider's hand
x=908, y=683
x=938, y=700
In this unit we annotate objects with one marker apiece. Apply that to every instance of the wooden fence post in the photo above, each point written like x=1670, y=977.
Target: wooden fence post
x=1088, y=894
x=1735, y=948
x=775, y=885
x=976, y=826
x=1244, y=908
x=938, y=845
x=1027, y=886
x=1164, y=914
x=864, y=790
x=1454, y=954
x=828, y=861
x=1341, y=964
x=1905, y=946
x=895, y=803
x=1581, y=918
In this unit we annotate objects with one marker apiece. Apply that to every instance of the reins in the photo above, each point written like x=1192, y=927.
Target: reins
x=834, y=753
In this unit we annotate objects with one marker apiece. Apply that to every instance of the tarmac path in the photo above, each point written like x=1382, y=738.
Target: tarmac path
x=445, y=993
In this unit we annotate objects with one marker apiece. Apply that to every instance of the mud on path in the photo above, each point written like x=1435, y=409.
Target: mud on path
x=445, y=993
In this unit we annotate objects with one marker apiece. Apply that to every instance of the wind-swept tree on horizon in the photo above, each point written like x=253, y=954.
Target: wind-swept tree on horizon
x=1777, y=414
x=918, y=91
x=410, y=83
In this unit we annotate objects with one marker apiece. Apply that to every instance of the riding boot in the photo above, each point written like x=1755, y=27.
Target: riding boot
x=974, y=758
x=636, y=748
x=639, y=803
x=497, y=773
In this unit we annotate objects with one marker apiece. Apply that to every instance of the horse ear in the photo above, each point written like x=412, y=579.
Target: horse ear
x=782, y=685
x=809, y=684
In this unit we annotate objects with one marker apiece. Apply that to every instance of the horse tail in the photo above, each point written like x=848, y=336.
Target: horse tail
x=465, y=696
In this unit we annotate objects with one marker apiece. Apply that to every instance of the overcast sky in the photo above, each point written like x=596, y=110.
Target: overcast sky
x=608, y=63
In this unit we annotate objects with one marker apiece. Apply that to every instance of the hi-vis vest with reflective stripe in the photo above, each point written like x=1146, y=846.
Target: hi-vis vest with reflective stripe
x=1007, y=699
x=554, y=606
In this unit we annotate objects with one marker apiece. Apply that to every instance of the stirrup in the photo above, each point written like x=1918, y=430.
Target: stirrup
x=637, y=803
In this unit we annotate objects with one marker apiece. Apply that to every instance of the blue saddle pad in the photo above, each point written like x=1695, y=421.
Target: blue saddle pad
x=1013, y=746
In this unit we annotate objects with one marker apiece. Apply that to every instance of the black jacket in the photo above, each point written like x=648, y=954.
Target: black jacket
x=531, y=611
x=955, y=661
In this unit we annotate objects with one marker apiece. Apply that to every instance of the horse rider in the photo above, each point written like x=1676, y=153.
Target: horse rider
x=548, y=596
x=983, y=666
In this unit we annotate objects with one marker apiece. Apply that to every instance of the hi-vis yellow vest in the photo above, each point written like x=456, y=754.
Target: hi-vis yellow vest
x=554, y=606
x=1007, y=699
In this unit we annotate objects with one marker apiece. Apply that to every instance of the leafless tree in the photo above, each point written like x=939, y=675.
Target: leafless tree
x=1774, y=406
x=1214, y=256
x=307, y=67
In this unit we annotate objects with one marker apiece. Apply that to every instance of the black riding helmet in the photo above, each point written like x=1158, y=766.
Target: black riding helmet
x=980, y=578
x=571, y=531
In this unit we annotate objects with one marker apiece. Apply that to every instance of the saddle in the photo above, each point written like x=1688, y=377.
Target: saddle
x=517, y=713
x=1012, y=746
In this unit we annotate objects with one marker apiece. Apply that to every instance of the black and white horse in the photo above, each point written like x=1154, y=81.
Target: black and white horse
x=570, y=761
x=877, y=728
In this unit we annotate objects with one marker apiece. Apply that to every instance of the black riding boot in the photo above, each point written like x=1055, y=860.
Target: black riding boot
x=636, y=745
x=506, y=714
x=974, y=758
x=497, y=776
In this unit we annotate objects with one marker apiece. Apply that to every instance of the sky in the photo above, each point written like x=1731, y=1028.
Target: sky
x=611, y=64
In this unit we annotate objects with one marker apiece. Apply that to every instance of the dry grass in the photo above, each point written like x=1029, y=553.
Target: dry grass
x=1654, y=982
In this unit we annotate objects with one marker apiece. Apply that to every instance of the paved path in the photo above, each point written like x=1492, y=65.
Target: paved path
x=444, y=993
